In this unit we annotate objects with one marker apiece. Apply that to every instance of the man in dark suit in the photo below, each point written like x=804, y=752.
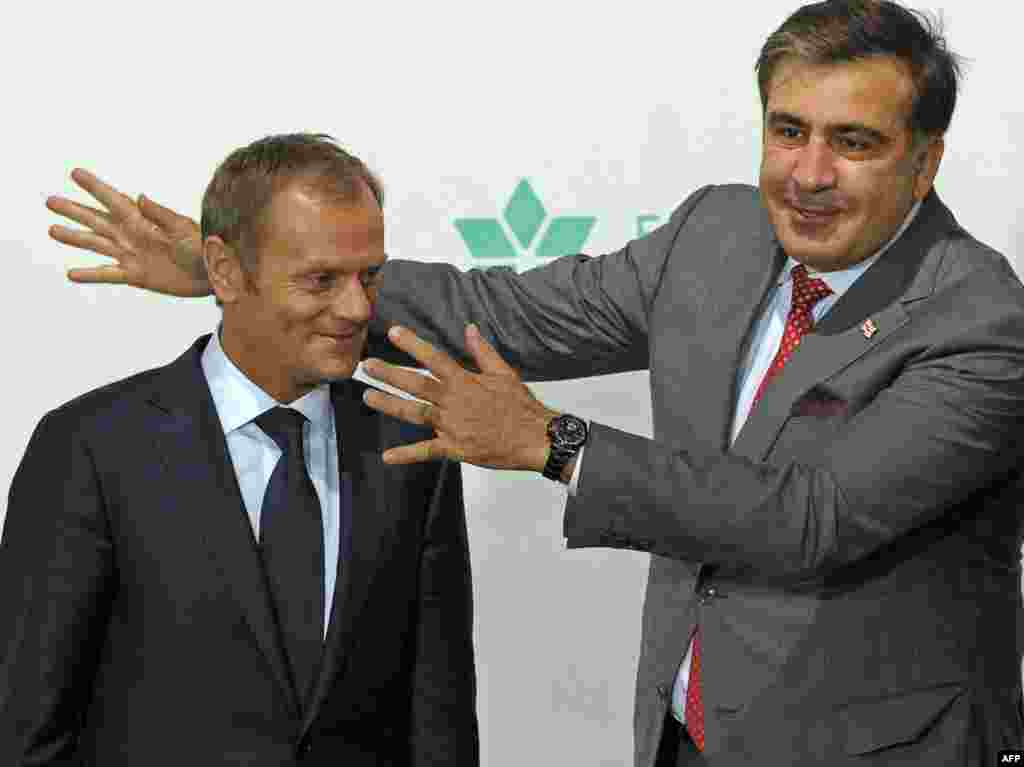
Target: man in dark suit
x=208, y=563
x=833, y=493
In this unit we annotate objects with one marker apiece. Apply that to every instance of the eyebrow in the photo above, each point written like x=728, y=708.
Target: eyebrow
x=775, y=118
x=322, y=266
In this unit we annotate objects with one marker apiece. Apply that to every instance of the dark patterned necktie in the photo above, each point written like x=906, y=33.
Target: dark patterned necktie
x=806, y=293
x=292, y=547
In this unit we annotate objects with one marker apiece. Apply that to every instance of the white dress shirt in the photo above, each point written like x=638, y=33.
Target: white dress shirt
x=765, y=343
x=254, y=454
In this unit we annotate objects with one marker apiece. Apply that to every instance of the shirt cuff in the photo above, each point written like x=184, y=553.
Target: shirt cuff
x=574, y=482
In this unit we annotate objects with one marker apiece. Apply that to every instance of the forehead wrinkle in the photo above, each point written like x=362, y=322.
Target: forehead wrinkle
x=859, y=112
x=312, y=244
x=792, y=67
x=343, y=261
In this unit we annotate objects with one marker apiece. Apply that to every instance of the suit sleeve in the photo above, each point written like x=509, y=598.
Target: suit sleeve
x=444, y=723
x=574, y=317
x=947, y=426
x=56, y=566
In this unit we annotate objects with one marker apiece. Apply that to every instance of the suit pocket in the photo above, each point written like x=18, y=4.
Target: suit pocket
x=820, y=406
x=897, y=720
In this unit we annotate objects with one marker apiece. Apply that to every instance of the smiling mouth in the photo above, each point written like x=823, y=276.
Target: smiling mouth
x=815, y=214
x=341, y=338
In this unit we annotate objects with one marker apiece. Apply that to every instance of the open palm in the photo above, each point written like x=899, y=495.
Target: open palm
x=153, y=247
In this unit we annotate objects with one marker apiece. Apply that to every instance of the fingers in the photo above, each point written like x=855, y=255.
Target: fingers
x=97, y=220
x=109, y=274
x=418, y=452
x=486, y=358
x=434, y=360
x=118, y=203
x=86, y=241
x=409, y=381
x=165, y=218
x=419, y=413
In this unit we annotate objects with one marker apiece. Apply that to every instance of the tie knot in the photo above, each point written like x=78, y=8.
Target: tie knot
x=283, y=425
x=807, y=291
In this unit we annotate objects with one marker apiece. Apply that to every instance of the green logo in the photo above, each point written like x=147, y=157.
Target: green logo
x=525, y=216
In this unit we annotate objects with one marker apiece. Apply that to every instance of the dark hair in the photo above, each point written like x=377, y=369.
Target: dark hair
x=243, y=186
x=837, y=31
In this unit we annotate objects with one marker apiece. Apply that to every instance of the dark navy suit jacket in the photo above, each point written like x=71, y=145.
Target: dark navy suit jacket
x=136, y=627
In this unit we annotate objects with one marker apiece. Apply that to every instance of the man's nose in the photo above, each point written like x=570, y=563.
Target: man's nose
x=353, y=302
x=815, y=167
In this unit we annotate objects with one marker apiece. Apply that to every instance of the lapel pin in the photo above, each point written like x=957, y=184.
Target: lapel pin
x=868, y=328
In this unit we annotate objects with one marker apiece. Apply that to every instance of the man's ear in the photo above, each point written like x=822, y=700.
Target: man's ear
x=926, y=165
x=223, y=269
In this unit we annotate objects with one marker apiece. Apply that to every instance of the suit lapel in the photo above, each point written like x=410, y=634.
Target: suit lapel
x=902, y=275
x=198, y=466
x=818, y=358
x=372, y=512
x=715, y=347
x=757, y=294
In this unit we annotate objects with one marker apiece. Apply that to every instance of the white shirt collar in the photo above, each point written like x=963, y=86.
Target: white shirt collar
x=238, y=400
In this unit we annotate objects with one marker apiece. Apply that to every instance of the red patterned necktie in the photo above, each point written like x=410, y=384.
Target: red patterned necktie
x=806, y=293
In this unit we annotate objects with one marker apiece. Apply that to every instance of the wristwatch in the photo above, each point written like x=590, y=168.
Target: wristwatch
x=568, y=434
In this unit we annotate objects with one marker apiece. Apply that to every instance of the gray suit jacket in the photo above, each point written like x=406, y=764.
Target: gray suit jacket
x=853, y=559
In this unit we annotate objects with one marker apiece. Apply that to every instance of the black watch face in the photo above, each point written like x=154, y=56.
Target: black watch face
x=571, y=431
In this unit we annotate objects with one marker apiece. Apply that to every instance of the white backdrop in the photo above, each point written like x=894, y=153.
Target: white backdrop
x=614, y=111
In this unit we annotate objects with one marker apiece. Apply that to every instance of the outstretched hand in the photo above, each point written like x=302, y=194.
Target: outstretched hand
x=153, y=247
x=489, y=418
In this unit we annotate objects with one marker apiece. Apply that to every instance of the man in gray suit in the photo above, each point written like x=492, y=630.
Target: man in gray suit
x=832, y=494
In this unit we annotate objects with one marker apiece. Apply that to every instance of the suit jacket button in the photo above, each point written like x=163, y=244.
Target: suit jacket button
x=305, y=747
x=707, y=594
x=663, y=691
